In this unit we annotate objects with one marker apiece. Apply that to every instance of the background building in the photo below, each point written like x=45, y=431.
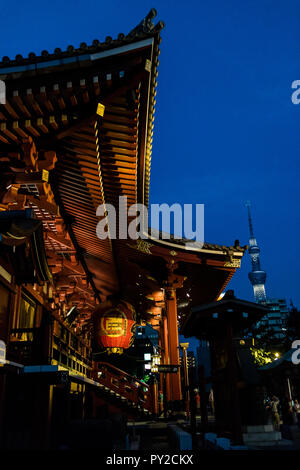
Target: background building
x=275, y=320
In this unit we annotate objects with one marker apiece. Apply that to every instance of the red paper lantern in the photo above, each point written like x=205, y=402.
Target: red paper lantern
x=115, y=326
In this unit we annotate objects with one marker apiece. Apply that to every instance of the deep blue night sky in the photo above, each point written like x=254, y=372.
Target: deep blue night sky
x=225, y=130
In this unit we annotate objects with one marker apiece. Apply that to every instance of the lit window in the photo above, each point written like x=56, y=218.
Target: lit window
x=26, y=318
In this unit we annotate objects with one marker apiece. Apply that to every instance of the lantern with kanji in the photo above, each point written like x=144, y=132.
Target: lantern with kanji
x=114, y=326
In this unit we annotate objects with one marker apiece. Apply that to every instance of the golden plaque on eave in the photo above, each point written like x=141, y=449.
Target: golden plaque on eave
x=100, y=109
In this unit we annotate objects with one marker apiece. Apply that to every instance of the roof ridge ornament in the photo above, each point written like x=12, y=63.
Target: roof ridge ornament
x=146, y=25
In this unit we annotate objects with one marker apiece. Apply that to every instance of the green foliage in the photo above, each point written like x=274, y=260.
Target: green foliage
x=263, y=357
x=264, y=338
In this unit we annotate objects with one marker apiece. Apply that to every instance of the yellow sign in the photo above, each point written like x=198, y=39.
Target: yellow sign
x=45, y=175
x=100, y=109
x=114, y=324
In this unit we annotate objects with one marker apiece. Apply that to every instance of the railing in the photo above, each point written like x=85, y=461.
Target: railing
x=24, y=334
x=124, y=384
x=24, y=345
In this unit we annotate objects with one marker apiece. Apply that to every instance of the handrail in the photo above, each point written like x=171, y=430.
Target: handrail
x=126, y=385
x=122, y=372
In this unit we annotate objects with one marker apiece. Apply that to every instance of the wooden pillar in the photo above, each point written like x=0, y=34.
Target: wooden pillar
x=2, y=408
x=186, y=378
x=162, y=354
x=42, y=396
x=49, y=417
x=83, y=392
x=166, y=360
x=233, y=379
x=203, y=400
x=193, y=409
x=154, y=394
x=174, y=281
x=173, y=340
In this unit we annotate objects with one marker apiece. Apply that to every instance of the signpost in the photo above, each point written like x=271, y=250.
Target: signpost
x=167, y=368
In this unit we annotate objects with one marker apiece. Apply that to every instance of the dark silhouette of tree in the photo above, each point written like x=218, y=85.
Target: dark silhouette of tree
x=292, y=326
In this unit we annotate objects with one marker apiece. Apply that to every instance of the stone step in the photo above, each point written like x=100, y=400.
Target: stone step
x=179, y=438
x=258, y=428
x=285, y=442
x=262, y=444
x=262, y=436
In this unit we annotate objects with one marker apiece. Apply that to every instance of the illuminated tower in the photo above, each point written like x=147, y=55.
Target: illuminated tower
x=257, y=276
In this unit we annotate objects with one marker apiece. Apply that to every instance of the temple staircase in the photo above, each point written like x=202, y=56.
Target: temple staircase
x=122, y=391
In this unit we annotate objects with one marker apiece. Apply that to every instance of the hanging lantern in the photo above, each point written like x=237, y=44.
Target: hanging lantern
x=115, y=326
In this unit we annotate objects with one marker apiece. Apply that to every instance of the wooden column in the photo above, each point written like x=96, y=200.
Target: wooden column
x=203, y=400
x=233, y=384
x=42, y=401
x=161, y=351
x=2, y=408
x=174, y=281
x=186, y=378
x=166, y=360
x=154, y=395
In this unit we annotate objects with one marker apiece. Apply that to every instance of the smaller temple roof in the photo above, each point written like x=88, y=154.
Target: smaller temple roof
x=205, y=320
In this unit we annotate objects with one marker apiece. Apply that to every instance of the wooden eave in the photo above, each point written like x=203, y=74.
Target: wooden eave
x=145, y=264
x=99, y=158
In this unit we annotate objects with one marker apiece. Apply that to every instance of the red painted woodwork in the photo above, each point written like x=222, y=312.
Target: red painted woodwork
x=125, y=385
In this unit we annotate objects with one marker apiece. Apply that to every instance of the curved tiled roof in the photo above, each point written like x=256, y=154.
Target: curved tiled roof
x=205, y=246
x=144, y=29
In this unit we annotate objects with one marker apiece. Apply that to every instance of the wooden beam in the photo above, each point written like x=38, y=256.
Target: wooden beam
x=77, y=268
x=59, y=239
x=42, y=204
x=32, y=178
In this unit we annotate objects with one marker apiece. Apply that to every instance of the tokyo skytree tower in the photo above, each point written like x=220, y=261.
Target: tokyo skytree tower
x=257, y=277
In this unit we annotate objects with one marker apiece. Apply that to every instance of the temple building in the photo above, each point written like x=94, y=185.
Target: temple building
x=76, y=132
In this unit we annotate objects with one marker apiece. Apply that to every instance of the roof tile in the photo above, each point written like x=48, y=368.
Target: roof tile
x=143, y=29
